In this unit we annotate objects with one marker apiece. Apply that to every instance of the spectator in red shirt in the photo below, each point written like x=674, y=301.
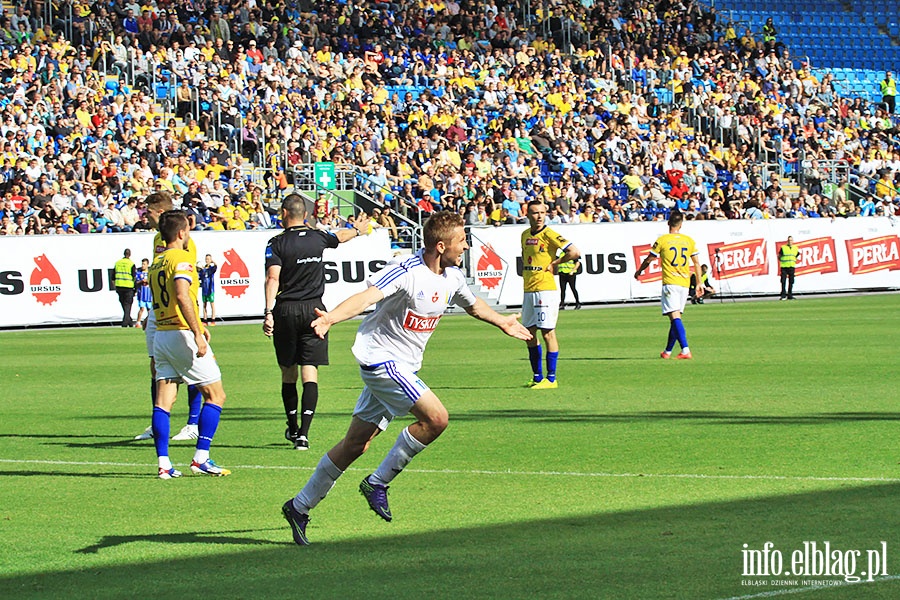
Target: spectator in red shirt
x=14, y=198
x=254, y=53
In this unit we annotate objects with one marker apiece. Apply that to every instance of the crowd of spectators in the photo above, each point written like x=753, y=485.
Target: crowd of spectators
x=608, y=111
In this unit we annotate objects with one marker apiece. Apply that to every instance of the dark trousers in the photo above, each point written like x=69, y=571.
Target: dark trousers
x=126, y=299
x=891, y=103
x=787, y=277
x=567, y=279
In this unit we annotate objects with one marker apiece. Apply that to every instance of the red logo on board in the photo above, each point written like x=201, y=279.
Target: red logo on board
x=45, y=282
x=489, y=270
x=741, y=258
x=878, y=254
x=234, y=276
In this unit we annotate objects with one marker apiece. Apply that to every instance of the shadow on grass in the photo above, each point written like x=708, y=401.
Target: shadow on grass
x=680, y=552
x=192, y=537
x=102, y=475
x=147, y=445
x=702, y=416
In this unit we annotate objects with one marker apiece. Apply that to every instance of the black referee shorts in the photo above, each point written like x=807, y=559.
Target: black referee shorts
x=295, y=341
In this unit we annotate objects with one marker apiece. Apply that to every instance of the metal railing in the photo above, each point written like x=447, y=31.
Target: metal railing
x=353, y=178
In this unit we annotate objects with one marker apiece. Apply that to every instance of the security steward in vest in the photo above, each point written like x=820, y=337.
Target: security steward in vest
x=295, y=283
x=787, y=256
x=125, y=274
x=568, y=272
x=889, y=92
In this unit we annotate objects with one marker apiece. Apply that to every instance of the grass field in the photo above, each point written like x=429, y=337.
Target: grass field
x=638, y=478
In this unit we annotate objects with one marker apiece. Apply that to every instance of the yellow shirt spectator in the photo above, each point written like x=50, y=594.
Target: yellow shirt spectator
x=190, y=133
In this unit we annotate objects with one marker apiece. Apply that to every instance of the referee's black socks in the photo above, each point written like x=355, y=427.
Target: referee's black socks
x=308, y=404
x=289, y=398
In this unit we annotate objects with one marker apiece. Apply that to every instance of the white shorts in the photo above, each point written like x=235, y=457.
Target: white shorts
x=674, y=297
x=540, y=309
x=150, y=332
x=391, y=390
x=175, y=352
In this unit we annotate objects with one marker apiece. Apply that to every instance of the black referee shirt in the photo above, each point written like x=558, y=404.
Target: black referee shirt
x=298, y=251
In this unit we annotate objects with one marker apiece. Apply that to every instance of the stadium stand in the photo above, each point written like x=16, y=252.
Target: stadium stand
x=633, y=110
x=829, y=33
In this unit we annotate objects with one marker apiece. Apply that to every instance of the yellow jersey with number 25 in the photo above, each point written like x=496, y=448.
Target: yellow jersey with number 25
x=171, y=265
x=675, y=251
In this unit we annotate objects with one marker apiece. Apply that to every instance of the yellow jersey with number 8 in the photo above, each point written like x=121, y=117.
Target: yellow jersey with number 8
x=171, y=265
x=675, y=251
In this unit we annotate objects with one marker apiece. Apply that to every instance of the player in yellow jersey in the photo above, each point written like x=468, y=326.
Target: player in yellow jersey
x=675, y=250
x=181, y=347
x=540, y=305
x=157, y=204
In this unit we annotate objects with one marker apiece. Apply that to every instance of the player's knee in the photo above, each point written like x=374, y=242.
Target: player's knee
x=437, y=421
x=214, y=395
x=355, y=447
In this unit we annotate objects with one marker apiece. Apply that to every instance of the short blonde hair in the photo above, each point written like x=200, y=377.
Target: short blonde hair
x=440, y=226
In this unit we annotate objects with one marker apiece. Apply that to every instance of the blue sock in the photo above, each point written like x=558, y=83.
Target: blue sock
x=160, y=423
x=551, y=365
x=534, y=355
x=209, y=422
x=679, y=331
x=195, y=403
x=673, y=337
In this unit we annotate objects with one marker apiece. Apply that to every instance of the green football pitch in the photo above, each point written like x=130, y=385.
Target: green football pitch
x=637, y=478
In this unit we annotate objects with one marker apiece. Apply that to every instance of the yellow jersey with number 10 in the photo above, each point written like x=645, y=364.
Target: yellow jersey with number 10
x=171, y=265
x=675, y=251
x=538, y=250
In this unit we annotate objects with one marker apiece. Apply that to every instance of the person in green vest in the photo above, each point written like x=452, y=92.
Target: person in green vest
x=567, y=272
x=889, y=92
x=125, y=274
x=770, y=34
x=787, y=257
x=708, y=289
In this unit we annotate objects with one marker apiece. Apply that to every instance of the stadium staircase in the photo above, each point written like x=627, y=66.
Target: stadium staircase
x=852, y=34
x=790, y=186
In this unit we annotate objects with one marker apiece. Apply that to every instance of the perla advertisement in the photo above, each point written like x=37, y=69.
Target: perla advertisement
x=742, y=257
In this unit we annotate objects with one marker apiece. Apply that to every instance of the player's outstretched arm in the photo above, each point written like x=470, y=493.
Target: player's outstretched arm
x=509, y=324
x=360, y=227
x=349, y=308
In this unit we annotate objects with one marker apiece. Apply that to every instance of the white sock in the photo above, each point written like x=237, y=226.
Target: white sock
x=318, y=486
x=165, y=463
x=405, y=448
x=201, y=456
x=685, y=350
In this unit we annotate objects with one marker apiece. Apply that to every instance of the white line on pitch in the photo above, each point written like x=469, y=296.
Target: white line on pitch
x=811, y=588
x=490, y=472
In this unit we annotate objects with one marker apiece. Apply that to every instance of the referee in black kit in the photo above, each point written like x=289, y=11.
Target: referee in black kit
x=295, y=283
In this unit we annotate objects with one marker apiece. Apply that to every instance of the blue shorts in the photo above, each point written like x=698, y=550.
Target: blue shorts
x=145, y=304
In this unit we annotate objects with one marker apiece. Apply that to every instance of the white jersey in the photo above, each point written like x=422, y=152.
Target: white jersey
x=415, y=298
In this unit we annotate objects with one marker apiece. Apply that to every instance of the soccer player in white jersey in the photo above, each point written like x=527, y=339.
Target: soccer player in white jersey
x=411, y=297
